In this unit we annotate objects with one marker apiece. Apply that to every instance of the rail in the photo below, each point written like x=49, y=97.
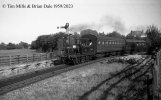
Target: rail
x=21, y=59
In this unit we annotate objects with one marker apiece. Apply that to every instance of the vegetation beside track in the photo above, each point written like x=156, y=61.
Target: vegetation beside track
x=76, y=84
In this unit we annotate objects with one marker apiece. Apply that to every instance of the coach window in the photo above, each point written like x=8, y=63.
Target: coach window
x=99, y=42
x=107, y=42
x=103, y=43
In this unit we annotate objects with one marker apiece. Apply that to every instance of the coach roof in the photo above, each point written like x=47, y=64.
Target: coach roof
x=99, y=37
x=133, y=40
x=109, y=38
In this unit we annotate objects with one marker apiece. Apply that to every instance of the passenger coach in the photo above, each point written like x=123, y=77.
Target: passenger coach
x=105, y=45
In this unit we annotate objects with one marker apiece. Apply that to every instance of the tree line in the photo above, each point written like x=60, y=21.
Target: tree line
x=48, y=43
x=9, y=46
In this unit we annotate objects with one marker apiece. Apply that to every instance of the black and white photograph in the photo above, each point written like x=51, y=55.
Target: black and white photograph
x=80, y=50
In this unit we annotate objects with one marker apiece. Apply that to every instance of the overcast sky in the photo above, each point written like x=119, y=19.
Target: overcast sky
x=26, y=24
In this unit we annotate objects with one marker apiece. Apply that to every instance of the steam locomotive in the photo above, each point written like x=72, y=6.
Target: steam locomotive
x=89, y=46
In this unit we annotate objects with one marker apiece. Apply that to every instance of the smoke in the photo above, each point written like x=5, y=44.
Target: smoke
x=113, y=22
x=80, y=27
x=106, y=24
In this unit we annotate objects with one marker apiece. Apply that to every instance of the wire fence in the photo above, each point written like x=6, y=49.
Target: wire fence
x=21, y=59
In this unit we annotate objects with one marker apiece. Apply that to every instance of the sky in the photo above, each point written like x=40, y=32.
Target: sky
x=26, y=24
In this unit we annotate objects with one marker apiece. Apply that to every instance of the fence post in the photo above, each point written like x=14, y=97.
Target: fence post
x=40, y=57
x=27, y=58
x=10, y=59
x=159, y=95
x=149, y=82
x=18, y=58
x=33, y=57
x=46, y=56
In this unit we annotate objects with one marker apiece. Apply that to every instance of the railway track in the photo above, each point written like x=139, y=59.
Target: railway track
x=134, y=71
x=19, y=81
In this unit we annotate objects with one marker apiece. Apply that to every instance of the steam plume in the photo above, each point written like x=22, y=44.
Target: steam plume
x=106, y=23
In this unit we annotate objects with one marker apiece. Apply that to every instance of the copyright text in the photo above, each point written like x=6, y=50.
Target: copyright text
x=37, y=6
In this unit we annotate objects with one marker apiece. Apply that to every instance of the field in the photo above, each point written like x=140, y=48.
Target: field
x=17, y=52
x=22, y=56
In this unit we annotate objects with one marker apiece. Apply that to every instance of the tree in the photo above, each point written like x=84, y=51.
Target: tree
x=33, y=45
x=89, y=31
x=11, y=46
x=102, y=34
x=47, y=43
x=153, y=38
x=3, y=46
x=23, y=45
x=115, y=34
